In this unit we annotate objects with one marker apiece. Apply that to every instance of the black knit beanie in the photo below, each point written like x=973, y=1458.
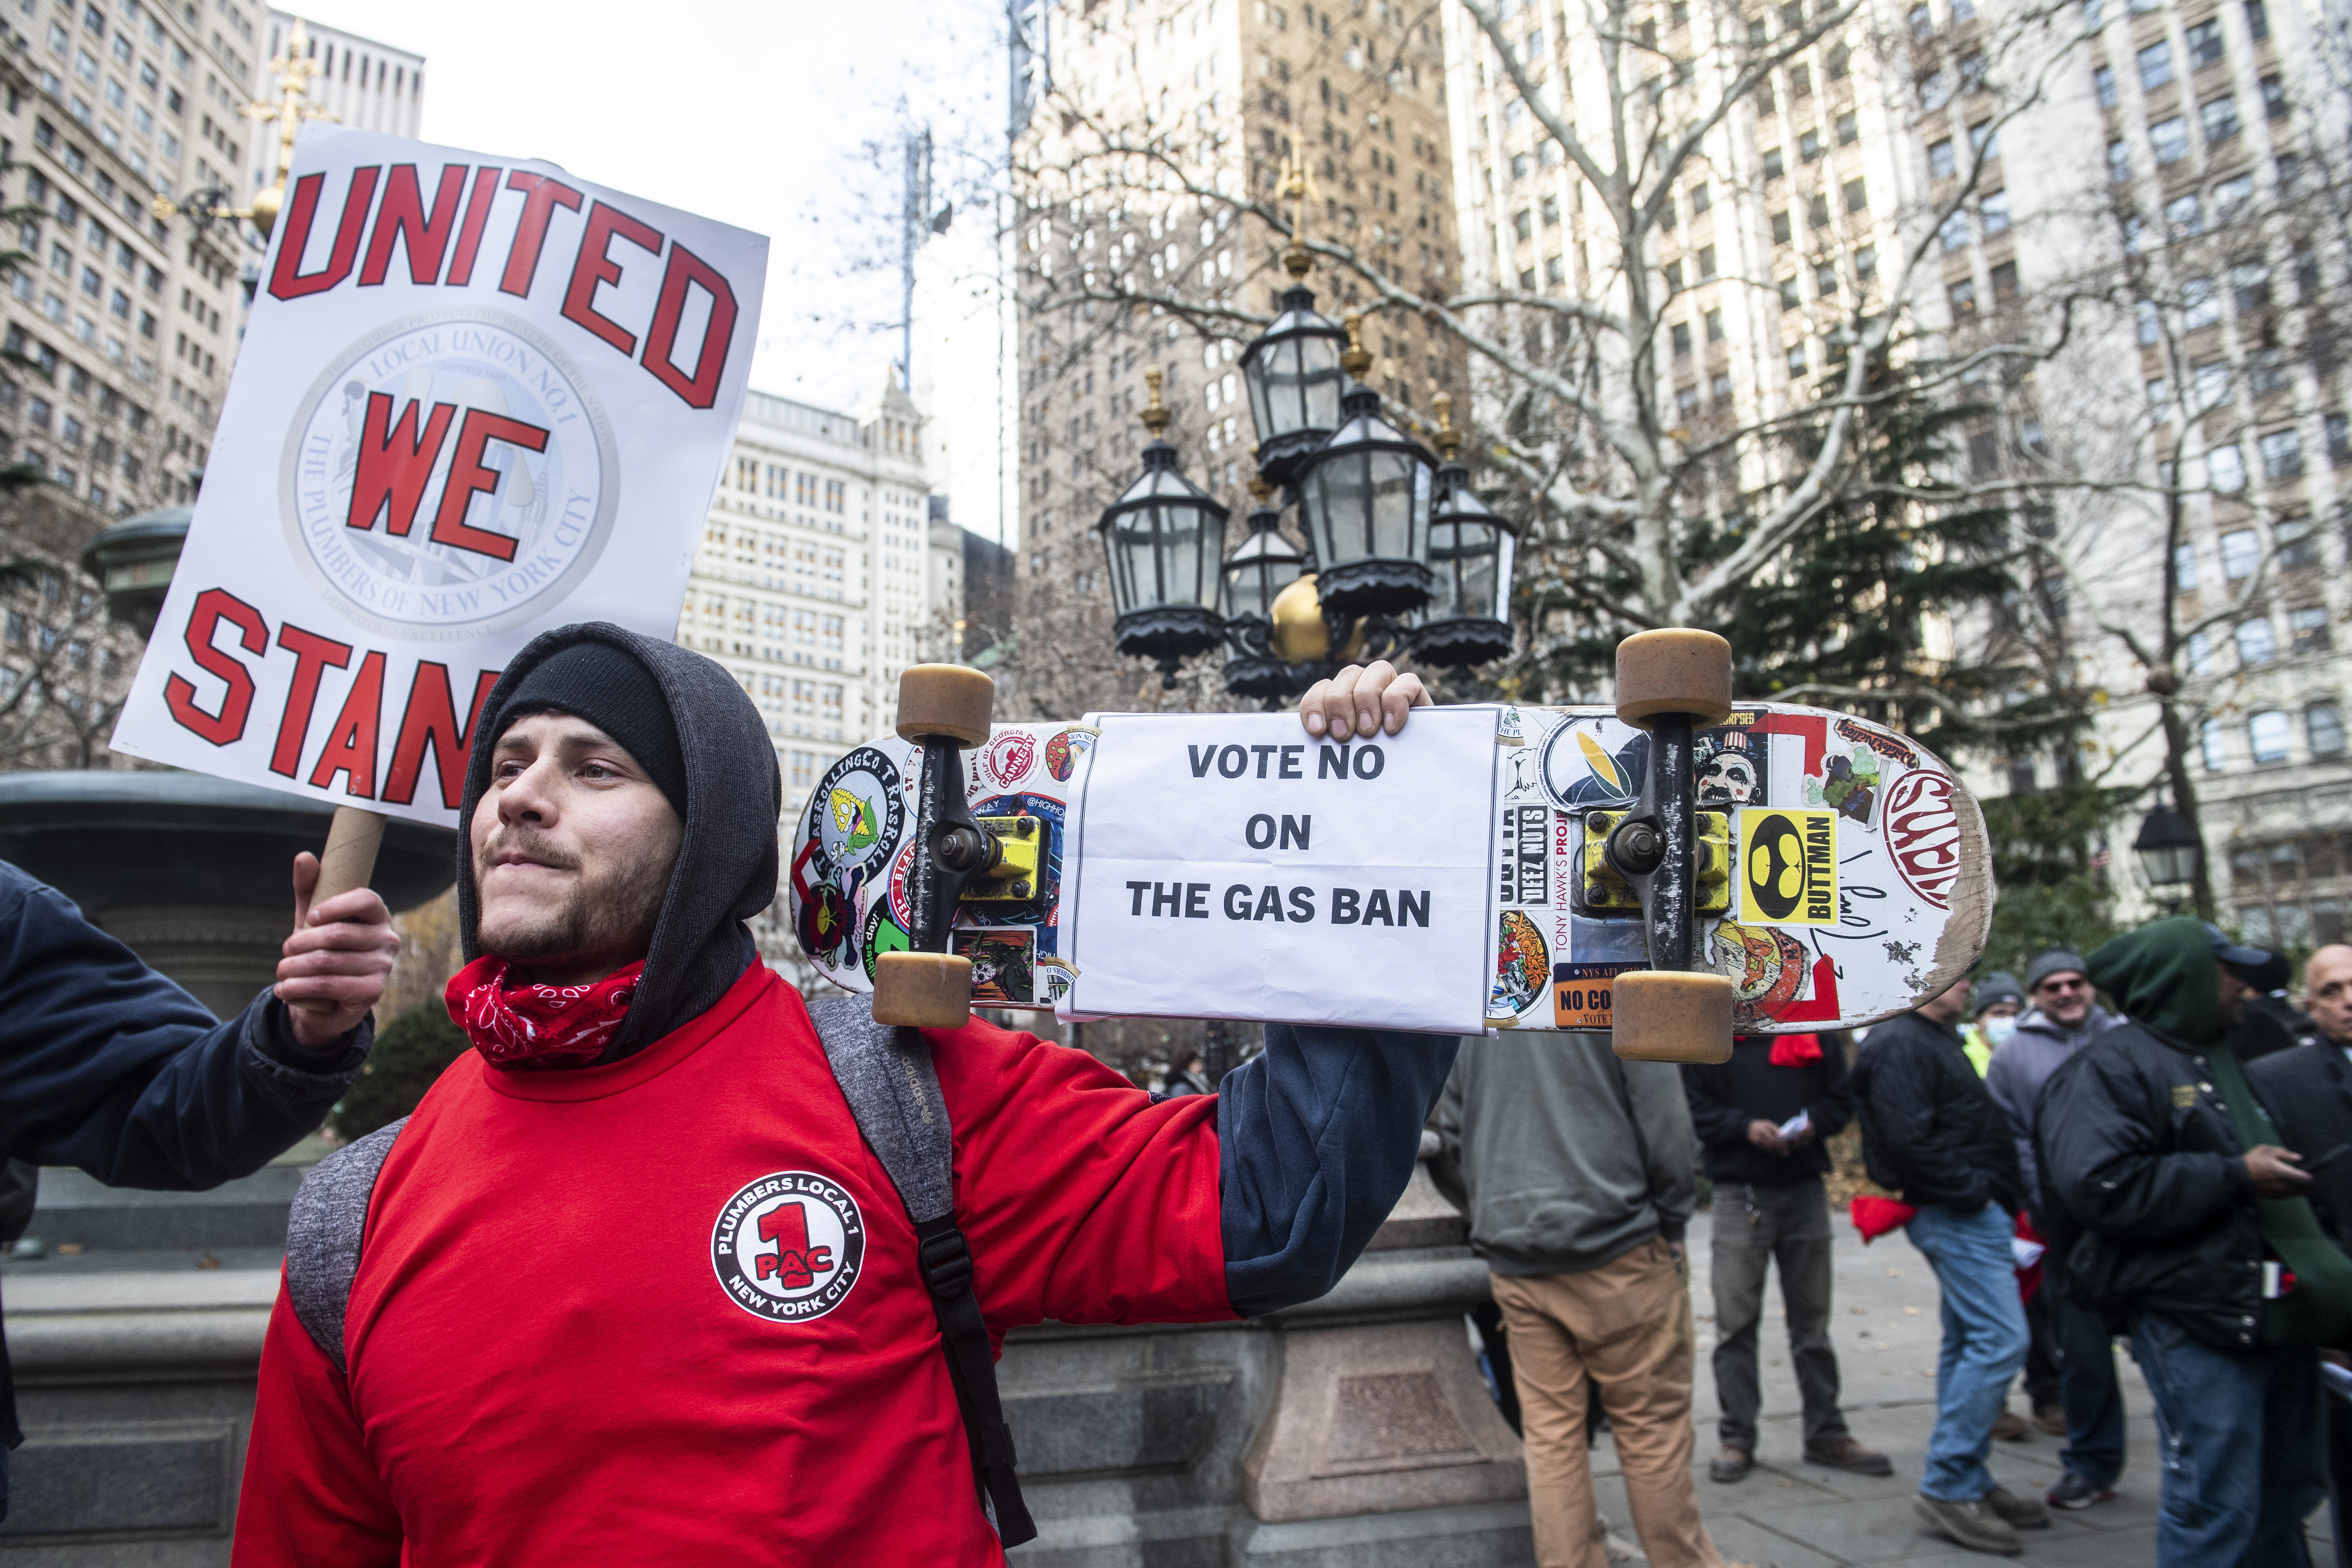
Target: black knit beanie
x=601, y=683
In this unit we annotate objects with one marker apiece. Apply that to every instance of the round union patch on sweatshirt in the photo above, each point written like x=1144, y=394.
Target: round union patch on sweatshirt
x=788, y=1246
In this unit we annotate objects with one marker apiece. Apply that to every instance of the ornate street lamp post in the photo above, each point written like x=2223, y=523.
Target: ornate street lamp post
x=1163, y=538
x=293, y=69
x=2167, y=849
x=1468, y=619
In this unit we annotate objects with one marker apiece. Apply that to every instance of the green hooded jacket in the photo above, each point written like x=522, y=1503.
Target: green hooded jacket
x=2164, y=978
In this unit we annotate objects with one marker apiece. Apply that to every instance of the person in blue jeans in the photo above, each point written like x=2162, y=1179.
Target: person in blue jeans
x=1932, y=1132
x=2184, y=1218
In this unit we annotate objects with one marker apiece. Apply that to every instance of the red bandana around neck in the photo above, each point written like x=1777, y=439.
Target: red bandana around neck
x=529, y=1026
x=1796, y=1050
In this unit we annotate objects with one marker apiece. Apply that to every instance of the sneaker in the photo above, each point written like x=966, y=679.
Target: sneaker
x=1973, y=1524
x=1846, y=1454
x=1730, y=1465
x=2050, y=1416
x=2024, y=1512
x=2073, y=1491
x=2009, y=1428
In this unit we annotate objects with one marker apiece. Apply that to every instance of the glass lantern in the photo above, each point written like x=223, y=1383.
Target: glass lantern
x=1295, y=379
x=1366, y=494
x=2167, y=849
x=1468, y=619
x=1256, y=573
x=1163, y=538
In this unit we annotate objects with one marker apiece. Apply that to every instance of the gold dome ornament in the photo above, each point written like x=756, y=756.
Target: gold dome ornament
x=1302, y=635
x=1357, y=360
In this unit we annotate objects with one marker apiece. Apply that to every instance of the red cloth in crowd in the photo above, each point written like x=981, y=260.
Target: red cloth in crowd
x=539, y=1026
x=1875, y=1216
x=2028, y=1280
x=1796, y=1050
x=668, y=1311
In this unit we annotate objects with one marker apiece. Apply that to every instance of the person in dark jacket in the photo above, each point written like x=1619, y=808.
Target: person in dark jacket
x=106, y=1065
x=2309, y=1093
x=2308, y=1089
x=1763, y=1119
x=2270, y=1021
x=2070, y=1372
x=2191, y=1219
x=1931, y=1132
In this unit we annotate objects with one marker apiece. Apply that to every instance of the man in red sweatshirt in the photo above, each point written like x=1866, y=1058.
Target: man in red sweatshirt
x=630, y=1285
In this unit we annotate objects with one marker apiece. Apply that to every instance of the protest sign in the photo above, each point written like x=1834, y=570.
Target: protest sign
x=1230, y=867
x=476, y=398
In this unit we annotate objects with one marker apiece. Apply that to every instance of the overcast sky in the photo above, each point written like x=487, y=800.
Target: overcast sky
x=784, y=118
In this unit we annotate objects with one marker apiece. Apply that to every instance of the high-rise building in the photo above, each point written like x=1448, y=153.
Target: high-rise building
x=2174, y=172
x=812, y=583
x=125, y=320
x=1130, y=261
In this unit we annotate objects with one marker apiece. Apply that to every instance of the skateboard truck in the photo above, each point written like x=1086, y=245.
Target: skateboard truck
x=1675, y=858
x=944, y=707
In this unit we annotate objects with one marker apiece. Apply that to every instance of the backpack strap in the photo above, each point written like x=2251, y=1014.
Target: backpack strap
x=886, y=1074
x=323, y=1231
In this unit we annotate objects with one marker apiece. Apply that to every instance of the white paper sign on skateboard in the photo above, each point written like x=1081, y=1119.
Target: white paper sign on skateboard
x=476, y=398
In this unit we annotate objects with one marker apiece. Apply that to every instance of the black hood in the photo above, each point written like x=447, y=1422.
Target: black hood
x=727, y=858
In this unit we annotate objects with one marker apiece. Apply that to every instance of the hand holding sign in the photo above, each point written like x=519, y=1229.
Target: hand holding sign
x=341, y=954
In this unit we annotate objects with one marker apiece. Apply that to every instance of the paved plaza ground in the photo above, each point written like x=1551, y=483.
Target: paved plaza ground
x=1797, y=1515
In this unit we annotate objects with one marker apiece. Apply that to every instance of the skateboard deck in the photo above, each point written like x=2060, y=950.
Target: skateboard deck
x=1853, y=877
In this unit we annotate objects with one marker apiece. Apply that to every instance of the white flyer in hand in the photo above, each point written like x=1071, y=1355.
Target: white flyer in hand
x=1796, y=1124
x=477, y=399
x=1286, y=880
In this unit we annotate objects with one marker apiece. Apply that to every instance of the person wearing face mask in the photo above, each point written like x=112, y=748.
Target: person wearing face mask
x=2070, y=1373
x=1998, y=1000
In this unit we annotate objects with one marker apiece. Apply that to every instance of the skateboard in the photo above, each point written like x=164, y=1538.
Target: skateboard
x=1668, y=871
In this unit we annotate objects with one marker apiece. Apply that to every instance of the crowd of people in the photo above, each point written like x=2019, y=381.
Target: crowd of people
x=2162, y=1167
x=2142, y=1143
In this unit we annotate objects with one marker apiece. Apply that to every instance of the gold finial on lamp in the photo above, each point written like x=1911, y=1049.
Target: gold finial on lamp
x=1155, y=417
x=1295, y=259
x=1445, y=437
x=1261, y=488
x=1355, y=359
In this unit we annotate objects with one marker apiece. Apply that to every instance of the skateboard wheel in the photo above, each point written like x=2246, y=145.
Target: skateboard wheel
x=946, y=699
x=1673, y=670
x=922, y=990
x=1660, y=1016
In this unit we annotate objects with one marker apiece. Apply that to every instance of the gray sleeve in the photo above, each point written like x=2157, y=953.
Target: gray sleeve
x=324, y=1233
x=1669, y=1144
x=2004, y=1081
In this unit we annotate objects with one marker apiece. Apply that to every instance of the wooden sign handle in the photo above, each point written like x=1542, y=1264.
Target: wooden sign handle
x=347, y=862
x=349, y=858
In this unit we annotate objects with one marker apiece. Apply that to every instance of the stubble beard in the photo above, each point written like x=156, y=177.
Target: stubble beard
x=607, y=912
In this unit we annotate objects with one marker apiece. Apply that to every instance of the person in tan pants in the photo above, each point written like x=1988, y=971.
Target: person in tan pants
x=1578, y=1172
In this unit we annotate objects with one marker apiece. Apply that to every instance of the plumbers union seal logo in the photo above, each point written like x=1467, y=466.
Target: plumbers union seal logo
x=788, y=1246
x=449, y=475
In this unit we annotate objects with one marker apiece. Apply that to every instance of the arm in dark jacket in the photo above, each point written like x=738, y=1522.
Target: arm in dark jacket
x=1833, y=1107
x=1715, y=1116
x=106, y=1065
x=2101, y=1156
x=1901, y=1120
x=1316, y=1138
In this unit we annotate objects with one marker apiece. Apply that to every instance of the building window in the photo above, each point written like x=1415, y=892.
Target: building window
x=1857, y=196
x=2118, y=161
x=1774, y=167
x=2307, y=630
x=2154, y=66
x=1781, y=232
x=1682, y=340
x=2242, y=550
x=2209, y=745
x=1715, y=326
x=1963, y=297
x=2170, y=139
x=2184, y=568
x=1940, y=165
x=2219, y=118
x=2266, y=736
x=2103, y=81
x=2322, y=728
x=2274, y=104
x=2004, y=282
x=2225, y=469
x=2257, y=644
x=2282, y=455
x=2205, y=45
x=2298, y=545
x=1706, y=262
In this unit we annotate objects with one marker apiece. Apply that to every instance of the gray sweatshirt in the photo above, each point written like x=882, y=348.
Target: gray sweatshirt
x=1568, y=1157
x=2023, y=1063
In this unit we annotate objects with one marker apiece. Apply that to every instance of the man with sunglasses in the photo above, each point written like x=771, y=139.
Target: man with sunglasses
x=2061, y=1017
